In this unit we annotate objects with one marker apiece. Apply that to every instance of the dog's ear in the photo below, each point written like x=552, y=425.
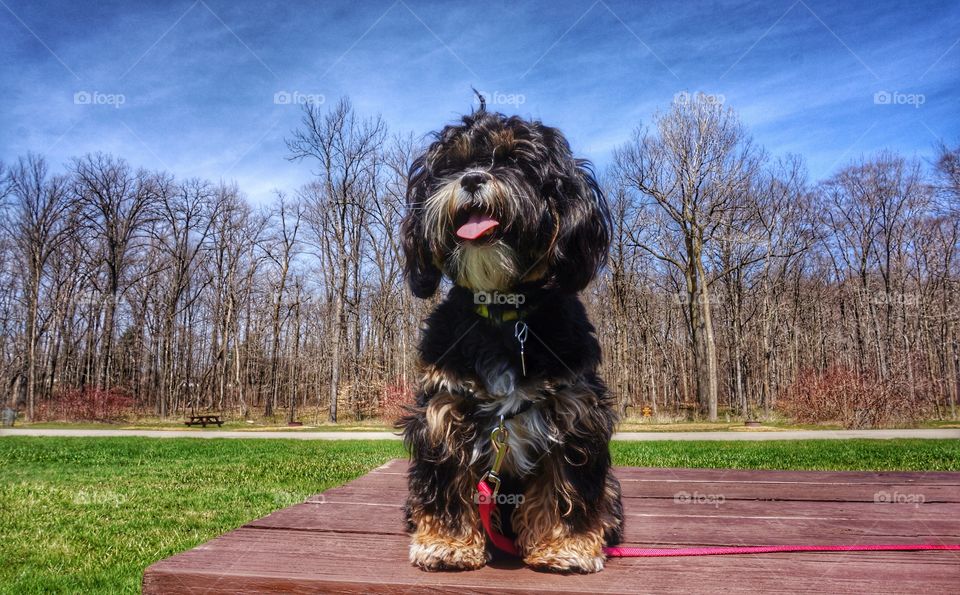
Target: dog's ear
x=583, y=238
x=422, y=275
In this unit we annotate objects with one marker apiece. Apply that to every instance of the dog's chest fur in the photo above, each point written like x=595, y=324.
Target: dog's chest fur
x=530, y=433
x=475, y=376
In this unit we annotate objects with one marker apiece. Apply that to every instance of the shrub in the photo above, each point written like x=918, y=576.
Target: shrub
x=395, y=397
x=853, y=399
x=87, y=404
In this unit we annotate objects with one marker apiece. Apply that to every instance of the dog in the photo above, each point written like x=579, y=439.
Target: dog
x=501, y=207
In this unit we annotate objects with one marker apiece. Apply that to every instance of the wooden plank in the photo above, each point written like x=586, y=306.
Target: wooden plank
x=387, y=489
x=350, y=540
x=399, y=466
x=251, y=560
x=770, y=476
x=329, y=514
x=880, y=493
x=672, y=526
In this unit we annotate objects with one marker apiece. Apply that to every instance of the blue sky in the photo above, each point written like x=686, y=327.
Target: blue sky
x=191, y=87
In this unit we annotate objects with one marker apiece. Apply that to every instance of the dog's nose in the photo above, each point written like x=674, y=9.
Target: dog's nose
x=472, y=181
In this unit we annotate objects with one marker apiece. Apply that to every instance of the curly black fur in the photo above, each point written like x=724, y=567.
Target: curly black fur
x=554, y=226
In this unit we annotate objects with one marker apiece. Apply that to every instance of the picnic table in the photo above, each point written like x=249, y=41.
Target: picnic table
x=203, y=420
x=350, y=539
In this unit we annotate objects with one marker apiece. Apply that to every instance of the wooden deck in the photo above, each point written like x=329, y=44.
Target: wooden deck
x=350, y=539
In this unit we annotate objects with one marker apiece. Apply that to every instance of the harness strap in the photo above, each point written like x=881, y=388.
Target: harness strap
x=502, y=542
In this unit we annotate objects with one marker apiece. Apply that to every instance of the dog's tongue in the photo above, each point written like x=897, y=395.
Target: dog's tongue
x=476, y=226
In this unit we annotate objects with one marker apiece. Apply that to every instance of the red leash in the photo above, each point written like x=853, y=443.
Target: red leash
x=487, y=497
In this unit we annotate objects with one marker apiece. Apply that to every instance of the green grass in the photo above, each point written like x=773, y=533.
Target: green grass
x=89, y=514
x=826, y=455
x=278, y=423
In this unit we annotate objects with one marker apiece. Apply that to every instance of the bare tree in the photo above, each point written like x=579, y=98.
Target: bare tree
x=38, y=222
x=114, y=201
x=345, y=149
x=694, y=170
x=282, y=250
x=183, y=215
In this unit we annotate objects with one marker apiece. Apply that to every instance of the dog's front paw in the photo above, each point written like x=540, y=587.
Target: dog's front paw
x=572, y=554
x=434, y=553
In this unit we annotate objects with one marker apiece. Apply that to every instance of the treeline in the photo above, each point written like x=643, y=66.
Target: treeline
x=735, y=285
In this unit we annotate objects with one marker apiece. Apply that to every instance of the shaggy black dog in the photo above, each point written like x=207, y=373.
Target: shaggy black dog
x=500, y=206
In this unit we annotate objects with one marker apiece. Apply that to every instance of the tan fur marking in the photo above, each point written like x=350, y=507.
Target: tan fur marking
x=439, y=210
x=436, y=547
x=434, y=379
x=462, y=148
x=544, y=539
x=486, y=268
x=568, y=553
x=503, y=140
x=442, y=415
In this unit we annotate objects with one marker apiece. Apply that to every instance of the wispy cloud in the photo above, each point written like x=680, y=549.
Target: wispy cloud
x=199, y=77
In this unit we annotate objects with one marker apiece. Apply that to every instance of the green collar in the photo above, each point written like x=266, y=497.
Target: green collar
x=500, y=314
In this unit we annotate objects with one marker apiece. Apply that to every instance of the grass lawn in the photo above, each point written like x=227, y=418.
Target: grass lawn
x=89, y=514
x=278, y=424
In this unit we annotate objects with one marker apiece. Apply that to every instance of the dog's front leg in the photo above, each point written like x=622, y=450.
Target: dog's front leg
x=562, y=524
x=440, y=543
x=441, y=512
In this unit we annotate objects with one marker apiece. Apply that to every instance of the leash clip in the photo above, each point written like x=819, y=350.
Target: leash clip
x=499, y=440
x=520, y=331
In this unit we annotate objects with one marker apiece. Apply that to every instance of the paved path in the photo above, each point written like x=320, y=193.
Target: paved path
x=750, y=435
x=753, y=435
